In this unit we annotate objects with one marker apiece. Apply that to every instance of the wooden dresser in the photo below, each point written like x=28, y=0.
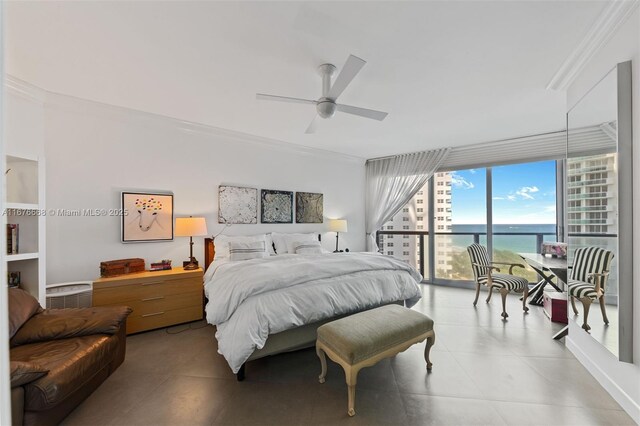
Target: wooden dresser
x=158, y=299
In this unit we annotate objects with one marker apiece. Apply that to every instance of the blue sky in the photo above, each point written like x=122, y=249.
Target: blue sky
x=522, y=194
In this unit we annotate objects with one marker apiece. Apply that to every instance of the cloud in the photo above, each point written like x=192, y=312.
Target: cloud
x=498, y=198
x=511, y=197
x=550, y=208
x=526, y=191
x=460, y=182
x=524, y=194
x=472, y=171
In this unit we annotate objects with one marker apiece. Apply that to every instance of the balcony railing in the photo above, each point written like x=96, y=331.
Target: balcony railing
x=433, y=258
x=588, y=195
x=581, y=209
x=590, y=182
x=429, y=262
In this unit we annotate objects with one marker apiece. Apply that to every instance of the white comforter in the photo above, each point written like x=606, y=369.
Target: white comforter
x=251, y=299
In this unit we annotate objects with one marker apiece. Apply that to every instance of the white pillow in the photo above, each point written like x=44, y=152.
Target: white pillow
x=247, y=250
x=292, y=239
x=221, y=243
x=279, y=242
x=307, y=247
x=269, y=241
x=284, y=242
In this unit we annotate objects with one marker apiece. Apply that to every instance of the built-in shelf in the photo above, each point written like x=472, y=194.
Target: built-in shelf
x=22, y=206
x=25, y=200
x=21, y=256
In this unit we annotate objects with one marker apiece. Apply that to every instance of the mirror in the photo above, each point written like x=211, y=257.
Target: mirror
x=598, y=212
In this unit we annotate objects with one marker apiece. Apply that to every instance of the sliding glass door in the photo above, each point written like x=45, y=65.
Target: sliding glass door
x=524, y=210
x=511, y=209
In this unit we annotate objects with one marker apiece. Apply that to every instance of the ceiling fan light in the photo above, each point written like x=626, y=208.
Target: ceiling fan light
x=326, y=108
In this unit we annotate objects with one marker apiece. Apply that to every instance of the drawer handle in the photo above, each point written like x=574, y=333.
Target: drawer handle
x=148, y=299
x=153, y=314
x=153, y=283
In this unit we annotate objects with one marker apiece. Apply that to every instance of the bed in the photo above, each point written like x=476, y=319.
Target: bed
x=275, y=304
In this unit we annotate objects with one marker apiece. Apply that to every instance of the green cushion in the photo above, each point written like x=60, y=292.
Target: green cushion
x=366, y=334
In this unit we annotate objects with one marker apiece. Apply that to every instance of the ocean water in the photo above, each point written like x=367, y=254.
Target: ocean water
x=515, y=243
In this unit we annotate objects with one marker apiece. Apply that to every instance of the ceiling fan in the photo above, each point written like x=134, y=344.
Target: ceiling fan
x=326, y=105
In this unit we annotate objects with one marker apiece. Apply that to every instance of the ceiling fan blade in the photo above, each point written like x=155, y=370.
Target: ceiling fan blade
x=362, y=112
x=263, y=97
x=313, y=125
x=350, y=69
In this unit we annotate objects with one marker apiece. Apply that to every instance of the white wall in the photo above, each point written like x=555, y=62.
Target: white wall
x=622, y=380
x=23, y=126
x=94, y=151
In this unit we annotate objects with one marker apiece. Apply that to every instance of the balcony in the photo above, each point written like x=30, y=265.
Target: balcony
x=451, y=266
x=581, y=209
x=590, y=195
x=448, y=256
x=591, y=182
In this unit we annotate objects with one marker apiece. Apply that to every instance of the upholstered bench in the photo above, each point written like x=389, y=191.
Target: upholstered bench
x=363, y=339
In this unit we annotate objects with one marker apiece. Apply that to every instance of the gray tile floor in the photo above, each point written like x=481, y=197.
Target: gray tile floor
x=485, y=372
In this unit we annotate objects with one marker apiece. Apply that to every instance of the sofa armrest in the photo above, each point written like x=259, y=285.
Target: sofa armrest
x=25, y=372
x=52, y=324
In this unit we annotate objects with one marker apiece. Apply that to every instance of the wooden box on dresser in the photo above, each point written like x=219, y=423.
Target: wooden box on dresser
x=158, y=299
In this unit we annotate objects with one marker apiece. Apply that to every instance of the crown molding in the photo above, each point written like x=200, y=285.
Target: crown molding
x=612, y=17
x=24, y=89
x=79, y=105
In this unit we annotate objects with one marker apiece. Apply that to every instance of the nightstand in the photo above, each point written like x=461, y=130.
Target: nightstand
x=158, y=299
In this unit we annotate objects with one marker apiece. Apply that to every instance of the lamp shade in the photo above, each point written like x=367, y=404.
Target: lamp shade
x=190, y=227
x=337, y=225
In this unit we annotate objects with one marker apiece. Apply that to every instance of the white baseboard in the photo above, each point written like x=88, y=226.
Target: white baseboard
x=626, y=402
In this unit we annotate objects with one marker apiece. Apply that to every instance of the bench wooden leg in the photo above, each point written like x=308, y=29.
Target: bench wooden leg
x=427, y=349
x=352, y=379
x=323, y=363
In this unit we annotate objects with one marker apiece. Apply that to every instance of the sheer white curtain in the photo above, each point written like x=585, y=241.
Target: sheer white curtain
x=391, y=182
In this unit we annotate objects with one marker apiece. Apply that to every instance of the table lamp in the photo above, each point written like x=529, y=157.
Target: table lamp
x=337, y=226
x=191, y=227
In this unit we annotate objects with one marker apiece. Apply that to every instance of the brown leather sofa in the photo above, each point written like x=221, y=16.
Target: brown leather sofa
x=60, y=356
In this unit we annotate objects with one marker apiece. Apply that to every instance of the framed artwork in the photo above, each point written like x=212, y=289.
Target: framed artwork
x=276, y=206
x=13, y=279
x=147, y=217
x=237, y=204
x=309, y=207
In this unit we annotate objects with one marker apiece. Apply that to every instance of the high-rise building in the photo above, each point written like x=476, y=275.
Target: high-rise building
x=591, y=194
x=592, y=208
x=414, y=217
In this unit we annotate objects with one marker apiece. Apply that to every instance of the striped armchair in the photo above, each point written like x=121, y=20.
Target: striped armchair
x=588, y=278
x=483, y=272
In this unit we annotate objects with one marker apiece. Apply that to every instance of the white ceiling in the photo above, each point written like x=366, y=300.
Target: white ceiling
x=448, y=73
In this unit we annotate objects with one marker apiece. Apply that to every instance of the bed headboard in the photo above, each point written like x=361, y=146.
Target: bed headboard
x=210, y=251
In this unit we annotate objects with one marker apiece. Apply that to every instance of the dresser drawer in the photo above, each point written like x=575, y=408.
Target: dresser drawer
x=136, y=323
x=158, y=299
x=153, y=304
x=109, y=295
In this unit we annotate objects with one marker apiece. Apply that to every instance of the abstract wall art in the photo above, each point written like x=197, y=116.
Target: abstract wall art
x=237, y=205
x=276, y=206
x=147, y=217
x=309, y=207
